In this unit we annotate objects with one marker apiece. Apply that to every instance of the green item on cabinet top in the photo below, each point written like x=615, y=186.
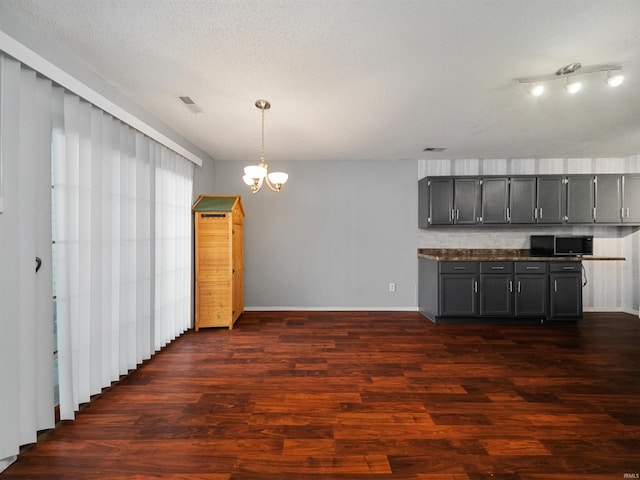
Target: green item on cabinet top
x=222, y=203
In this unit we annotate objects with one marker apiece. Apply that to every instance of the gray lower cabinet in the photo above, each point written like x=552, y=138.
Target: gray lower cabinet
x=496, y=289
x=521, y=290
x=532, y=287
x=458, y=289
x=565, y=290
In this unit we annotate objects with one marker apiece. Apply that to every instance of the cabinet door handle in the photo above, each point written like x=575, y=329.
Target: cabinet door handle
x=457, y=214
x=475, y=286
x=533, y=268
x=627, y=212
x=459, y=268
x=510, y=286
x=555, y=286
x=568, y=268
x=535, y=213
x=497, y=268
x=519, y=288
x=540, y=213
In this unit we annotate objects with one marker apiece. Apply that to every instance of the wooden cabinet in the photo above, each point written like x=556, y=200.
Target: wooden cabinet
x=219, y=260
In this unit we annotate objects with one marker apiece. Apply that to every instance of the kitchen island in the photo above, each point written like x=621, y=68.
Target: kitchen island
x=499, y=285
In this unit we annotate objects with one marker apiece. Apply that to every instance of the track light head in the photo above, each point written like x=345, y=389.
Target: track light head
x=573, y=87
x=615, y=80
x=536, y=89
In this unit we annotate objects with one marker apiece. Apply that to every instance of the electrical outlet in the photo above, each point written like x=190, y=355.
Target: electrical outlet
x=392, y=287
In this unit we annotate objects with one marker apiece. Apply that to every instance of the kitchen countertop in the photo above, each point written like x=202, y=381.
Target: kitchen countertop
x=498, y=255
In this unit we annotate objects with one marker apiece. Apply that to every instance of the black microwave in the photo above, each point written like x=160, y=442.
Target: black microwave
x=561, y=245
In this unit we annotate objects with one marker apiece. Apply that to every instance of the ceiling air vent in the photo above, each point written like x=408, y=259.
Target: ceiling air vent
x=190, y=104
x=433, y=149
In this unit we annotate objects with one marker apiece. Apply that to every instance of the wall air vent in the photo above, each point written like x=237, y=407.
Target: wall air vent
x=433, y=149
x=190, y=104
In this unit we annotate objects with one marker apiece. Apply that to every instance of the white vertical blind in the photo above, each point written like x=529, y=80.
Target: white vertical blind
x=103, y=197
x=26, y=334
x=123, y=251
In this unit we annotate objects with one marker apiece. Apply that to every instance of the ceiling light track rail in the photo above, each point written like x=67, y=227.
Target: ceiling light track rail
x=567, y=72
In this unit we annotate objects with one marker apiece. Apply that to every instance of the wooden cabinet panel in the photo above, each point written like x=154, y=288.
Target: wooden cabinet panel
x=219, y=261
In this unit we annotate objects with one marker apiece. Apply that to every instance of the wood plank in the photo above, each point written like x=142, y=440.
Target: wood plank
x=354, y=395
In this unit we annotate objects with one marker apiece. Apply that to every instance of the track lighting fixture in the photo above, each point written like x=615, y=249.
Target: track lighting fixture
x=536, y=88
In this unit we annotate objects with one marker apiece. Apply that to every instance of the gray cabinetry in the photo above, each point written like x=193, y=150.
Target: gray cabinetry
x=495, y=200
x=458, y=292
x=565, y=290
x=551, y=200
x=531, y=295
x=580, y=199
x=607, y=198
x=499, y=290
x=631, y=199
x=522, y=200
x=466, y=201
x=440, y=201
x=448, y=201
x=496, y=289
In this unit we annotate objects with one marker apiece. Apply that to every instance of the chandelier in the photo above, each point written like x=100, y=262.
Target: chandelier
x=256, y=175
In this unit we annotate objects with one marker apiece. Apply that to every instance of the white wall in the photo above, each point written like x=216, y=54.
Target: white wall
x=334, y=238
x=611, y=285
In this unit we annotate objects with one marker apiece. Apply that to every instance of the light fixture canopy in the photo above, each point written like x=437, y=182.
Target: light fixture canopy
x=256, y=175
x=536, y=88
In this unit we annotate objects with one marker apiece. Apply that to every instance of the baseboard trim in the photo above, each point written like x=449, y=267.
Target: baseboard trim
x=630, y=311
x=330, y=309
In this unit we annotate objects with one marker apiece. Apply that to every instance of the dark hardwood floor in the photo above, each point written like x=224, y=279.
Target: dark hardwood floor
x=355, y=395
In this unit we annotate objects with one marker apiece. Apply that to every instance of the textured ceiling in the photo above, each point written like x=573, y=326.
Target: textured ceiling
x=366, y=79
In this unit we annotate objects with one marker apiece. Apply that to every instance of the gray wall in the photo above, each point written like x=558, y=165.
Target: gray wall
x=340, y=232
x=334, y=238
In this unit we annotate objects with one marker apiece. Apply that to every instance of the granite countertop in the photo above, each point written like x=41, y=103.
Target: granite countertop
x=497, y=255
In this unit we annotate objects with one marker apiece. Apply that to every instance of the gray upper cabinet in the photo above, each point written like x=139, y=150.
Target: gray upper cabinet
x=607, y=198
x=495, y=200
x=448, y=201
x=522, y=200
x=466, y=203
x=631, y=199
x=551, y=200
x=580, y=199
